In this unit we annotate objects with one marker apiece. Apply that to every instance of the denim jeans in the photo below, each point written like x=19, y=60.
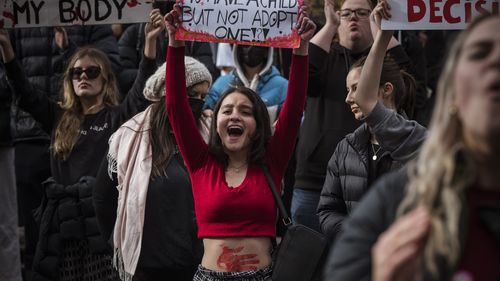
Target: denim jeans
x=304, y=205
x=10, y=262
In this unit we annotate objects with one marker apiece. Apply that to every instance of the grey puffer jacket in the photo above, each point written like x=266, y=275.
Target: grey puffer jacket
x=347, y=174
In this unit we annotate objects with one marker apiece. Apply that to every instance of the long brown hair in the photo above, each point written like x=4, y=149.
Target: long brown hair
x=68, y=129
x=163, y=144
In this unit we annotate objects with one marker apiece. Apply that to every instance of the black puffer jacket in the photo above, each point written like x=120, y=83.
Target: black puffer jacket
x=44, y=64
x=347, y=174
x=131, y=46
x=68, y=215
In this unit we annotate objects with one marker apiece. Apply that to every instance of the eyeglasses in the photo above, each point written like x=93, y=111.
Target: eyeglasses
x=92, y=72
x=360, y=13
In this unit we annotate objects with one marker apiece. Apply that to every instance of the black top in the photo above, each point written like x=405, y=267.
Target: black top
x=90, y=149
x=169, y=240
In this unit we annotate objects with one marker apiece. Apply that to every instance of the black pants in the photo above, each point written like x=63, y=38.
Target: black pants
x=163, y=274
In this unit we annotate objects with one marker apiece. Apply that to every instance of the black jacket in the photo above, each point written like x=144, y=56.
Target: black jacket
x=327, y=118
x=351, y=257
x=44, y=64
x=65, y=199
x=91, y=146
x=169, y=240
x=347, y=174
x=131, y=46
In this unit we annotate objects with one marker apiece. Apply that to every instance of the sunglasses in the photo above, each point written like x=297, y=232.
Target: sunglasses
x=91, y=72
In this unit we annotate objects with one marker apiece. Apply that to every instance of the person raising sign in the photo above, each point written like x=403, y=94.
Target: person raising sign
x=235, y=209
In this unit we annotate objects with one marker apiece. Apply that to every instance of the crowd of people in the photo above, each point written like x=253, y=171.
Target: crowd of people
x=127, y=154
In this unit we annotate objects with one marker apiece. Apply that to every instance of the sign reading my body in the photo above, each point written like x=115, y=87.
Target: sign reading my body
x=69, y=10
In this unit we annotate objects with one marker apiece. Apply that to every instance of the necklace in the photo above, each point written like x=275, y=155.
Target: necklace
x=375, y=152
x=237, y=169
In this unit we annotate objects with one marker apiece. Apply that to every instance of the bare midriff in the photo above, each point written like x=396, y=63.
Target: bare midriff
x=236, y=254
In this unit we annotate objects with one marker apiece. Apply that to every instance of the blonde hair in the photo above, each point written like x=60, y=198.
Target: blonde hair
x=68, y=129
x=443, y=170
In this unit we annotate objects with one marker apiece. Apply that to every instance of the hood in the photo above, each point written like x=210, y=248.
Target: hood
x=241, y=74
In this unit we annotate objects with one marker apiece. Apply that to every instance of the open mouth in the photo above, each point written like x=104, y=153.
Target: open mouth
x=234, y=131
x=495, y=87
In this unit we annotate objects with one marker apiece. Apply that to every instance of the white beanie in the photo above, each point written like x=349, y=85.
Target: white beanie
x=196, y=72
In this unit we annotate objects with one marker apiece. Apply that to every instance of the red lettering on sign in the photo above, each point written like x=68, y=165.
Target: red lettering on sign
x=447, y=11
x=412, y=14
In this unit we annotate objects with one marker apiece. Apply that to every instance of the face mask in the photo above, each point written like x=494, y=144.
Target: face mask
x=252, y=55
x=196, y=107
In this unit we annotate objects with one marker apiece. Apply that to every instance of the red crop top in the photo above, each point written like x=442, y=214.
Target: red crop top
x=249, y=209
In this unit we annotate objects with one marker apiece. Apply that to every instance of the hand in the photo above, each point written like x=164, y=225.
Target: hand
x=6, y=46
x=395, y=256
x=61, y=37
x=332, y=17
x=208, y=112
x=4, y=37
x=305, y=26
x=155, y=25
x=381, y=11
x=172, y=23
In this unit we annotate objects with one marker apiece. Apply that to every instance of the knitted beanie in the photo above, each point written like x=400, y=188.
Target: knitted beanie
x=196, y=72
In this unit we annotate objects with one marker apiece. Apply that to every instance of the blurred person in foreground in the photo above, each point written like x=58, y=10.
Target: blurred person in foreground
x=439, y=219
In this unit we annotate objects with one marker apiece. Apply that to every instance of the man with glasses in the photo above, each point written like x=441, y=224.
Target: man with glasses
x=345, y=37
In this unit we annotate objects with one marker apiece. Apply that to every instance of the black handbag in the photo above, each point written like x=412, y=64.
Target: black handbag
x=302, y=251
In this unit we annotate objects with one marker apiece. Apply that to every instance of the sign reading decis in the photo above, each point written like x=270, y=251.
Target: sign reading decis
x=437, y=14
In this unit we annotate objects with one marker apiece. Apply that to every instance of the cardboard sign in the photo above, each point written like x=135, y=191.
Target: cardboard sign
x=249, y=22
x=37, y=13
x=437, y=14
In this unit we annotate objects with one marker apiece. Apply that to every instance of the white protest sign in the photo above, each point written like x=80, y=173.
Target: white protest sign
x=36, y=13
x=252, y=22
x=436, y=14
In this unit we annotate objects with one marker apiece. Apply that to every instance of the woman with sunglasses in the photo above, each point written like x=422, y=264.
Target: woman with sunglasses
x=235, y=209
x=70, y=244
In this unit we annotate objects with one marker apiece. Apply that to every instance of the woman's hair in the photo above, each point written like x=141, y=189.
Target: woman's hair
x=163, y=144
x=443, y=169
x=262, y=133
x=68, y=129
x=404, y=84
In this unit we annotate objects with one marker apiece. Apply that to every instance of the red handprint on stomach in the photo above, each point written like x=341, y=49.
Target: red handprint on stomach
x=234, y=262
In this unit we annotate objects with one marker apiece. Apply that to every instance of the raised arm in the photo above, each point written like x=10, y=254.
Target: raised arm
x=188, y=138
x=29, y=98
x=282, y=143
x=366, y=96
x=324, y=37
x=134, y=101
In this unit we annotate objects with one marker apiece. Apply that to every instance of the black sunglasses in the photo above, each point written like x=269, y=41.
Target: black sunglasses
x=92, y=72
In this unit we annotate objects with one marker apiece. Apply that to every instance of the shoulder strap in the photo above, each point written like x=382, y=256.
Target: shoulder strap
x=277, y=198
